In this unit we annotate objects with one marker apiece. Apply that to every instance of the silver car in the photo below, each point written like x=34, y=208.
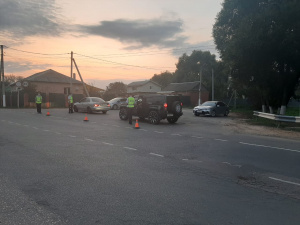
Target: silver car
x=211, y=108
x=116, y=102
x=91, y=104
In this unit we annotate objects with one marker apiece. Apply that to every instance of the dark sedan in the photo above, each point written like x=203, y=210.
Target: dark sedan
x=211, y=108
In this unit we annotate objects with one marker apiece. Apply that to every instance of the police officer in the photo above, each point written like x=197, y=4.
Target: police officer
x=38, y=102
x=130, y=105
x=70, y=101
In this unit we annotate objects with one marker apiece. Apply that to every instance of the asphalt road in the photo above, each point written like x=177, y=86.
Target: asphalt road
x=59, y=169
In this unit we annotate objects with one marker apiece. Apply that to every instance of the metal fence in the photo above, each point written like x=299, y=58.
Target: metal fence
x=280, y=118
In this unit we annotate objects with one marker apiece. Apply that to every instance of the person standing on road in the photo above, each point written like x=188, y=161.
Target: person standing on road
x=130, y=105
x=70, y=101
x=38, y=102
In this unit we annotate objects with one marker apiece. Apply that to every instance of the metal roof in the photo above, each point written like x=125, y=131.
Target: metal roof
x=141, y=83
x=182, y=87
x=50, y=76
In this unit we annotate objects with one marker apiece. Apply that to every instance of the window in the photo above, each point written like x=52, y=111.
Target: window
x=67, y=90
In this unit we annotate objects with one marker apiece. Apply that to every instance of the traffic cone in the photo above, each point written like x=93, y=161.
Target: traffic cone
x=136, y=124
x=85, y=118
x=48, y=114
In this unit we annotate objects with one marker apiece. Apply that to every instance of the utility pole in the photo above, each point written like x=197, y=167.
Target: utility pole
x=86, y=91
x=2, y=76
x=212, y=85
x=71, y=72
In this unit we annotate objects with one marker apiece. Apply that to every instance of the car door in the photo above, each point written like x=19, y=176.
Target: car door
x=83, y=104
x=221, y=108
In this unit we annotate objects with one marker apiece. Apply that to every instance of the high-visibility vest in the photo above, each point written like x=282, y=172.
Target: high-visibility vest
x=130, y=102
x=70, y=99
x=38, y=99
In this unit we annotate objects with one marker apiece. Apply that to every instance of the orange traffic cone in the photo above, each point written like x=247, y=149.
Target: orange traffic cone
x=85, y=118
x=48, y=114
x=136, y=124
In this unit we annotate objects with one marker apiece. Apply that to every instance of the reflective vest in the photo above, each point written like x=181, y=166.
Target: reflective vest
x=130, y=102
x=70, y=99
x=38, y=99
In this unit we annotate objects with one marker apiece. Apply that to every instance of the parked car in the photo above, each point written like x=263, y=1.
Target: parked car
x=92, y=104
x=155, y=108
x=116, y=102
x=211, y=108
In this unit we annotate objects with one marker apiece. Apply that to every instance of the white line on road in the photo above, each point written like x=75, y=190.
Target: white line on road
x=156, y=154
x=239, y=166
x=196, y=137
x=72, y=136
x=46, y=130
x=176, y=134
x=285, y=181
x=185, y=159
x=265, y=146
x=159, y=132
x=106, y=143
x=115, y=126
x=87, y=139
x=143, y=130
x=35, y=128
x=220, y=139
x=130, y=148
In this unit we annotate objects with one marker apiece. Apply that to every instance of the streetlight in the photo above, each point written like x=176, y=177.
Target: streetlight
x=200, y=81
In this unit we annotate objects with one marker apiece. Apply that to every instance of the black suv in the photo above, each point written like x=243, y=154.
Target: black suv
x=155, y=107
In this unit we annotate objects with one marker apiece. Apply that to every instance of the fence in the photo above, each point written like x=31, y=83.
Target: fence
x=280, y=118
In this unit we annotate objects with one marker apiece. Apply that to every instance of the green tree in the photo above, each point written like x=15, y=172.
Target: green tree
x=259, y=41
x=190, y=67
x=163, y=79
x=115, y=89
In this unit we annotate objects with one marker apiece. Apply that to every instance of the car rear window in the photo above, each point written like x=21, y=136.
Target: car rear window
x=97, y=100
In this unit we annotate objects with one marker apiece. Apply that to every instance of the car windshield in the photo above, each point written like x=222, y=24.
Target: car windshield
x=208, y=104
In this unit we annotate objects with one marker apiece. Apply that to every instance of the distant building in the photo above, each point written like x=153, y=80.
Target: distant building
x=54, y=87
x=146, y=86
x=189, y=91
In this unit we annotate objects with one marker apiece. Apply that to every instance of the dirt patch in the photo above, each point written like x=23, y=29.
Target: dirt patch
x=239, y=124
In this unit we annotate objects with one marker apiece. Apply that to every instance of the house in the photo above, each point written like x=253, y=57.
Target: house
x=54, y=87
x=146, y=86
x=189, y=91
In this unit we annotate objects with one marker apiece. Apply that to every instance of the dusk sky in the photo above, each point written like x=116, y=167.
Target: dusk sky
x=124, y=40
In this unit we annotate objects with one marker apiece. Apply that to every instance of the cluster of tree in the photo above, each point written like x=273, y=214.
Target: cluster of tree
x=116, y=89
x=189, y=67
x=260, y=41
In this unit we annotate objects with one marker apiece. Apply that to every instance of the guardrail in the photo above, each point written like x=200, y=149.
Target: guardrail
x=281, y=118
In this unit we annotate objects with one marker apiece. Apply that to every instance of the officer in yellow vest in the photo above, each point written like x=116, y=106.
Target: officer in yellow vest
x=130, y=105
x=70, y=101
x=38, y=102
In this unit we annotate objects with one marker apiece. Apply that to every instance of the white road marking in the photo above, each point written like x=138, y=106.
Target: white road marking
x=130, y=148
x=176, y=134
x=17, y=124
x=156, y=154
x=220, y=139
x=35, y=128
x=57, y=133
x=25, y=125
x=115, y=126
x=265, y=146
x=196, y=137
x=46, y=130
x=72, y=136
x=239, y=166
x=185, y=159
x=285, y=181
x=143, y=130
x=87, y=139
x=106, y=143
x=159, y=132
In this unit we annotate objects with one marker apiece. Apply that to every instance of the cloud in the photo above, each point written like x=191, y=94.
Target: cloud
x=15, y=67
x=21, y=18
x=140, y=33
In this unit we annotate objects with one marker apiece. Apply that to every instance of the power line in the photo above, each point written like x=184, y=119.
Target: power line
x=36, y=53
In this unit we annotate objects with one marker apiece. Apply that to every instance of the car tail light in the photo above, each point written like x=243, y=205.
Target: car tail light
x=108, y=105
x=96, y=105
x=166, y=105
x=181, y=103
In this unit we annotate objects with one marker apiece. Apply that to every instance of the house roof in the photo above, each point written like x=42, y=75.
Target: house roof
x=186, y=86
x=141, y=83
x=50, y=76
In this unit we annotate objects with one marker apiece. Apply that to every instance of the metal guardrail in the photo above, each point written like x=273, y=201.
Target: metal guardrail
x=281, y=118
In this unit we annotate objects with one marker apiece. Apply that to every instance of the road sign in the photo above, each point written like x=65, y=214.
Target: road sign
x=25, y=84
x=18, y=84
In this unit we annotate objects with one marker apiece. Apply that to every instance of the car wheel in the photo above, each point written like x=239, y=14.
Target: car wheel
x=213, y=113
x=123, y=114
x=154, y=117
x=89, y=110
x=75, y=109
x=104, y=112
x=115, y=107
x=196, y=114
x=226, y=113
x=172, y=119
x=176, y=107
